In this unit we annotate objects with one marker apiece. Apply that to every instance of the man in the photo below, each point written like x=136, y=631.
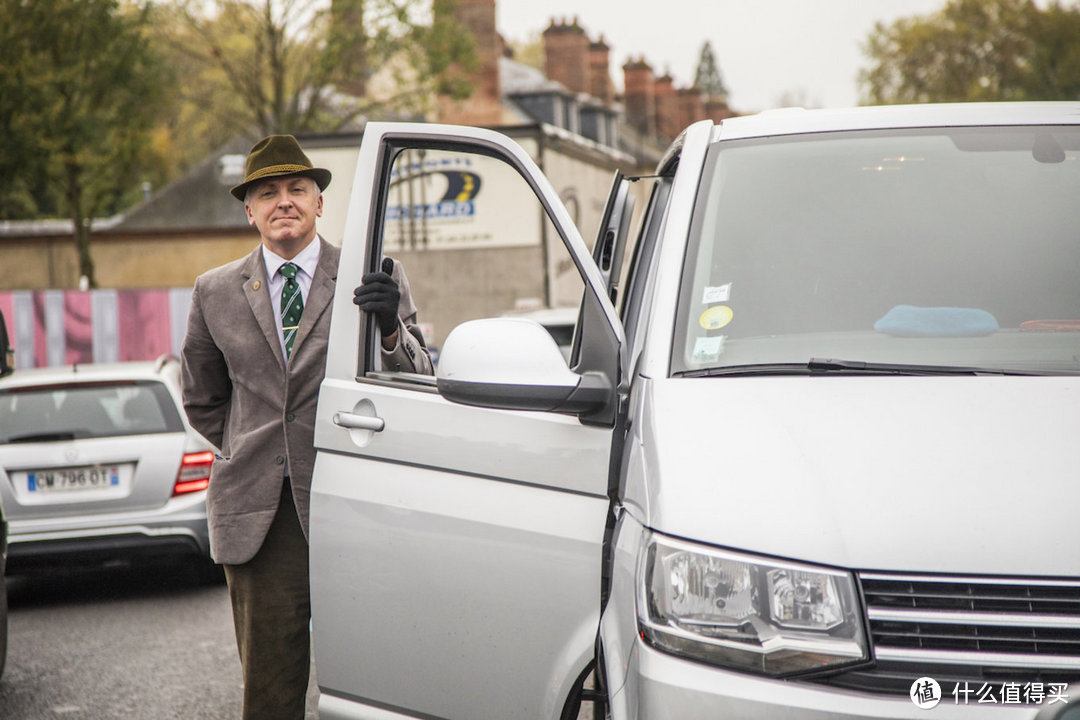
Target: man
x=252, y=362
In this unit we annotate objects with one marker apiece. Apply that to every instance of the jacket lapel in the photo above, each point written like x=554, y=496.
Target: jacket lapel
x=321, y=293
x=257, y=292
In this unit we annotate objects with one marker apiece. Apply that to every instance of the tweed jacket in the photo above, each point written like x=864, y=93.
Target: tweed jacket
x=258, y=410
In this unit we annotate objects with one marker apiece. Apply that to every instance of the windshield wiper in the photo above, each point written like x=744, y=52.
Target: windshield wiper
x=757, y=369
x=41, y=437
x=830, y=366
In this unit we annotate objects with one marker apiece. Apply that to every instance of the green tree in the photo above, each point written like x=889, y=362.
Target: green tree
x=976, y=50
x=707, y=78
x=80, y=87
x=1055, y=59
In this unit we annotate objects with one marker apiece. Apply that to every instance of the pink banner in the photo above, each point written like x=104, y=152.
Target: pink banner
x=78, y=328
x=143, y=319
x=7, y=309
x=41, y=345
x=71, y=327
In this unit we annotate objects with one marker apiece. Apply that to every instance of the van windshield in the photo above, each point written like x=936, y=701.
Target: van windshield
x=941, y=247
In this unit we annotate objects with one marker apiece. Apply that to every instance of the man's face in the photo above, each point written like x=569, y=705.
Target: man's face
x=284, y=211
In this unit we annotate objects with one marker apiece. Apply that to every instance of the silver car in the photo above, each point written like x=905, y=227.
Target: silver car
x=98, y=464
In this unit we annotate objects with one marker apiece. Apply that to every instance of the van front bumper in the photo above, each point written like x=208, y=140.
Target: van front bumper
x=661, y=686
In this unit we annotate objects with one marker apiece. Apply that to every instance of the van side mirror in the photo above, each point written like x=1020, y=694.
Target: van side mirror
x=514, y=364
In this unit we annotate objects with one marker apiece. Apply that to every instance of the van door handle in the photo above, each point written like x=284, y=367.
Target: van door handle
x=359, y=422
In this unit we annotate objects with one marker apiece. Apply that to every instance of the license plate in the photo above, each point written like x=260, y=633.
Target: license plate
x=97, y=477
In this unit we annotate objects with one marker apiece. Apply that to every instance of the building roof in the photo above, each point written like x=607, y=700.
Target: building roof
x=523, y=86
x=198, y=199
x=516, y=78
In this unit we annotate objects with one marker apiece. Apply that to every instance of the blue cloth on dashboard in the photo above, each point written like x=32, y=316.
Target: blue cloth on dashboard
x=911, y=321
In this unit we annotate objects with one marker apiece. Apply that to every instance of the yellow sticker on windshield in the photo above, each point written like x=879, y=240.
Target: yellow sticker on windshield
x=716, y=317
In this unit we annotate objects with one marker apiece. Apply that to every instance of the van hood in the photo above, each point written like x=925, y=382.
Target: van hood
x=913, y=474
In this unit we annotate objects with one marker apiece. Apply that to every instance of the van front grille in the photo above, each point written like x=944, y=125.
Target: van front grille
x=974, y=615
x=968, y=629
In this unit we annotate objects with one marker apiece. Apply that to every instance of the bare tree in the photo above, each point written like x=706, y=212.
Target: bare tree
x=303, y=65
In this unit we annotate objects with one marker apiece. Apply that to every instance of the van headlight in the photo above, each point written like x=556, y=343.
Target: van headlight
x=746, y=612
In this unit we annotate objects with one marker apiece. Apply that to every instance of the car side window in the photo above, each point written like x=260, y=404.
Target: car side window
x=474, y=241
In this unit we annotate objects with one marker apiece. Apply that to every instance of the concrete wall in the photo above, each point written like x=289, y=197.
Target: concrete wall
x=120, y=261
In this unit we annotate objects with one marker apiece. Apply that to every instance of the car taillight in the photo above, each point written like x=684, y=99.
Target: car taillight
x=194, y=473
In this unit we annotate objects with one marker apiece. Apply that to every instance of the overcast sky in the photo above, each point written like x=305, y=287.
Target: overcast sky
x=809, y=50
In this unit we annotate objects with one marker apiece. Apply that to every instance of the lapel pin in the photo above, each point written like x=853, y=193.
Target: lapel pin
x=256, y=285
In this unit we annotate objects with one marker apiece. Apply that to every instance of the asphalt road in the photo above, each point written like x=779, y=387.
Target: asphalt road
x=121, y=643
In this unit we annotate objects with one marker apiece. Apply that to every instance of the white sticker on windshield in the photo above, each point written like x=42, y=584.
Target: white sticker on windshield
x=707, y=349
x=718, y=294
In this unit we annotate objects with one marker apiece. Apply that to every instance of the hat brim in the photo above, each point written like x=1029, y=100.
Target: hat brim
x=321, y=176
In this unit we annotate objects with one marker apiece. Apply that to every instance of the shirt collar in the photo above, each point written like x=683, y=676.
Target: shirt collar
x=307, y=259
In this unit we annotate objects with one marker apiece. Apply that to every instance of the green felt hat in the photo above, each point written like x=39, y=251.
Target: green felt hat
x=275, y=156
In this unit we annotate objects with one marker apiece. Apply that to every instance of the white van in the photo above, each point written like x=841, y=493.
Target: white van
x=820, y=458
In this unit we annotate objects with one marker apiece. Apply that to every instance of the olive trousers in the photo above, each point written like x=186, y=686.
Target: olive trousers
x=271, y=605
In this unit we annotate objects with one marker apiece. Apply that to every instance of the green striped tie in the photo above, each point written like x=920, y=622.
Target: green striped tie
x=292, y=306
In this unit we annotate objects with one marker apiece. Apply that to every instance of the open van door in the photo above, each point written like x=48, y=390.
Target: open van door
x=456, y=543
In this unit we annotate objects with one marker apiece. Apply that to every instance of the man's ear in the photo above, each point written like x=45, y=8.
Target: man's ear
x=318, y=206
x=250, y=217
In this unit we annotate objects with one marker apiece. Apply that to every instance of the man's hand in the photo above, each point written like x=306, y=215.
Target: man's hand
x=378, y=295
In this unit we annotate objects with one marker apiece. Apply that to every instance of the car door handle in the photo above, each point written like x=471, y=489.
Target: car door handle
x=359, y=422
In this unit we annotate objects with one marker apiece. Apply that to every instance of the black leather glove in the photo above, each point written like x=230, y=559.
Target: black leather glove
x=378, y=294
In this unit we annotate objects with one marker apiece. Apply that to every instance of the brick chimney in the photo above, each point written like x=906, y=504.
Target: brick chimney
x=600, y=85
x=566, y=55
x=691, y=105
x=347, y=28
x=484, y=106
x=667, y=107
x=639, y=97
